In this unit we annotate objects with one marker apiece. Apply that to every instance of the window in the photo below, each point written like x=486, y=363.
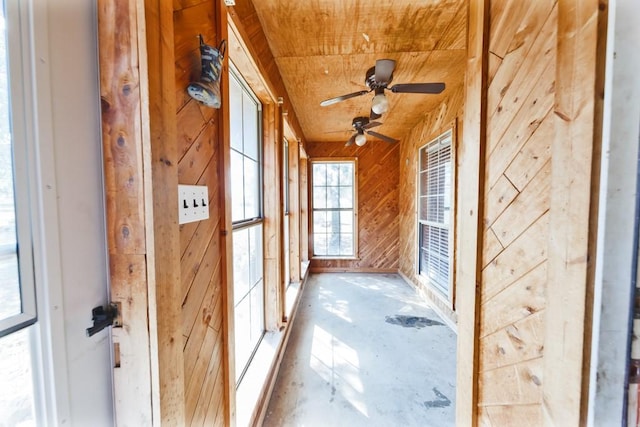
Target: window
x=17, y=282
x=333, y=208
x=246, y=214
x=434, y=212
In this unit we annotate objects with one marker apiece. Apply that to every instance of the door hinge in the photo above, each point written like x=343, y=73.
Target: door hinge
x=102, y=317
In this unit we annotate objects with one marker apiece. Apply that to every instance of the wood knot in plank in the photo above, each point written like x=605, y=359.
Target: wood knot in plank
x=535, y=380
x=166, y=161
x=120, y=141
x=104, y=105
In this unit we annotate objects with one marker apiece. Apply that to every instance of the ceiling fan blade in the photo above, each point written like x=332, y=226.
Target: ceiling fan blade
x=384, y=69
x=371, y=125
x=337, y=99
x=417, y=88
x=373, y=115
x=351, y=140
x=382, y=137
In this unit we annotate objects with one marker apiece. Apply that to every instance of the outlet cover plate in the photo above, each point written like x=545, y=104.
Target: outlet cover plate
x=193, y=203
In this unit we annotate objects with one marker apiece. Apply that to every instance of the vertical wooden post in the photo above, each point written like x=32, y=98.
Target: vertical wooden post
x=304, y=206
x=125, y=139
x=294, y=211
x=573, y=151
x=471, y=187
x=272, y=153
x=164, y=304
x=224, y=144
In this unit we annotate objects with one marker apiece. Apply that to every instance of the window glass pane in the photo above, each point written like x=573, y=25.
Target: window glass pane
x=242, y=335
x=255, y=254
x=334, y=244
x=16, y=389
x=346, y=174
x=346, y=222
x=251, y=189
x=320, y=222
x=319, y=197
x=257, y=313
x=241, y=272
x=10, y=304
x=333, y=174
x=320, y=244
x=235, y=114
x=346, y=197
x=237, y=186
x=333, y=197
x=319, y=174
x=250, y=126
x=346, y=244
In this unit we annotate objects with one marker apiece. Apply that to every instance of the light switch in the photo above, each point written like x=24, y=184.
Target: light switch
x=193, y=203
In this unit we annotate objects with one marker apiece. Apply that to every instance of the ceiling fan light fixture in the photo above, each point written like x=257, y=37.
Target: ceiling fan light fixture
x=360, y=139
x=380, y=104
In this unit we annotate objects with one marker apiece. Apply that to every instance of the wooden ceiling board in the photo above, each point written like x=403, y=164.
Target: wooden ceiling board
x=323, y=48
x=317, y=78
x=325, y=27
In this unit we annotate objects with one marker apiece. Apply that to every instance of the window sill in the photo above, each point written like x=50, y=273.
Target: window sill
x=255, y=381
x=330, y=258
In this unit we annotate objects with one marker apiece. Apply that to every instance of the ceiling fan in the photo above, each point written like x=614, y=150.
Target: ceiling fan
x=378, y=79
x=362, y=126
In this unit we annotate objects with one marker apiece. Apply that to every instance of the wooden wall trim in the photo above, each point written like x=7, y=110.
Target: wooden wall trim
x=574, y=149
x=471, y=185
x=226, y=233
x=125, y=140
x=164, y=163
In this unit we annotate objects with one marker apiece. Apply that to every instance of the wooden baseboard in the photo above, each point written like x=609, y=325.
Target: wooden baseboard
x=352, y=270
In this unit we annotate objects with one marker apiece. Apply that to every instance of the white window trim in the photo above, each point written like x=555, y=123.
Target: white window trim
x=355, y=256
x=32, y=119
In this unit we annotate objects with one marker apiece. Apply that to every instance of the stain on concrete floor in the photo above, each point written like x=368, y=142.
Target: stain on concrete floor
x=442, y=401
x=412, y=321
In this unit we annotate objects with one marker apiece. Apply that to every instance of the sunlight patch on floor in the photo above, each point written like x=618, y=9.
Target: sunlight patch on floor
x=338, y=364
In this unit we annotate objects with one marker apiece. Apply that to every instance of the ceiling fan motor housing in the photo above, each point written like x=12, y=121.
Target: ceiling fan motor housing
x=358, y=122
x=370, y=80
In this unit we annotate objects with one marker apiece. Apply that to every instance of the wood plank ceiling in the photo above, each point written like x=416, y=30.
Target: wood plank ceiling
x=323, y=49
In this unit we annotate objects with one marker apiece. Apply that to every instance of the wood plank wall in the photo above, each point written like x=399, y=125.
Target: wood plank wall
x=434, y=123
x=378, y=184
x=536, y=271
x=520, y=127
x=201, y=244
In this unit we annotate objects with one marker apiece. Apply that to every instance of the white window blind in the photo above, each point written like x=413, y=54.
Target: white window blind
x=434, y=213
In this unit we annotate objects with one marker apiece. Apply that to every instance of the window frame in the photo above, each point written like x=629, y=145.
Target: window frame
x=448, y=294
x=354, y=210
x=247, y=224
x=22, y=144
x=234, y=74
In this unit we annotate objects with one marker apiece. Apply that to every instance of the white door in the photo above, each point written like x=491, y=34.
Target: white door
x=62, y=376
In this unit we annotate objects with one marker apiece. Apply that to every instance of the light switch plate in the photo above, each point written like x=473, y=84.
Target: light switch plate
x=193, y=203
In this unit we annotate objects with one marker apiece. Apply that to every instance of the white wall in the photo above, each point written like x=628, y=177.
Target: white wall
x=614, y=260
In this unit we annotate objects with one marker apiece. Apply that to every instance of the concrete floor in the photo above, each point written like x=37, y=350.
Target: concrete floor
x=365, y=350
